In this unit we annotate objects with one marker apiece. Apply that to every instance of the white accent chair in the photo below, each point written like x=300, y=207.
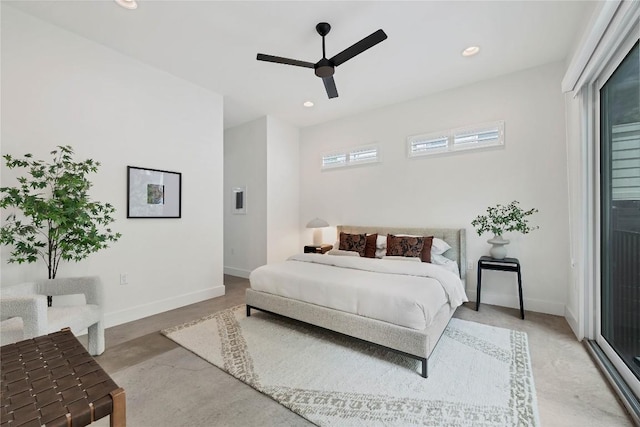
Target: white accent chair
x=24, y=313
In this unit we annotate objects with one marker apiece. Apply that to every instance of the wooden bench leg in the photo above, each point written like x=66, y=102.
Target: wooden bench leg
x=119, y=415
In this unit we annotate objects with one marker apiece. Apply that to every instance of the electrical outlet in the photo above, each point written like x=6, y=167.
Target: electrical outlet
x=124, y=279
x=469, y=265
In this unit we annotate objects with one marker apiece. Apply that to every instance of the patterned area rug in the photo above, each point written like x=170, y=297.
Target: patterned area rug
x=478, y=375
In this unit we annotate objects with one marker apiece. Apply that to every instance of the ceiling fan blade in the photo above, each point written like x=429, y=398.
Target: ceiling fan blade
x=359, y=47
x=330, y=86
x=280, y=60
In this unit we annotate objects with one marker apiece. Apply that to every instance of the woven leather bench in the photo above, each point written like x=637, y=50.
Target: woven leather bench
x=51, y=380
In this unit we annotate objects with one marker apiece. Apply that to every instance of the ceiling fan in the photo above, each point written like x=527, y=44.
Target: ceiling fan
x=325, y=68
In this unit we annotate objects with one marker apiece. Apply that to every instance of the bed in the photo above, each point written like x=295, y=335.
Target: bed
x=349, y=307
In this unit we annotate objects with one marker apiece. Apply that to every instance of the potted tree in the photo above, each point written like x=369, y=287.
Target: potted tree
x=500, y=219
x=51, y=214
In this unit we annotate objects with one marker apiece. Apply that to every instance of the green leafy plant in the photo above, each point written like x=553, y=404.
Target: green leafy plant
x=56, y=220
x=500, y=219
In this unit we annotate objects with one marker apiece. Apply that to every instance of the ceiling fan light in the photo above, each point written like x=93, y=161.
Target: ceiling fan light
x=471, y=50
x=127, y=4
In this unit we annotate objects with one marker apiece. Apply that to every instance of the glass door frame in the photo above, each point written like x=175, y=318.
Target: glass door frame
x=624, y=371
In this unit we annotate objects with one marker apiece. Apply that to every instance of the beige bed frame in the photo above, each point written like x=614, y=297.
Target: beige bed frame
x=411, y=342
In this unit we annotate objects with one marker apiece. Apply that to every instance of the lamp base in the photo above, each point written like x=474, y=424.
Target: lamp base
x=317, y=237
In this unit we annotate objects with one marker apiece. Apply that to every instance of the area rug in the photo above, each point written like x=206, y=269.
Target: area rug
x=478, y=375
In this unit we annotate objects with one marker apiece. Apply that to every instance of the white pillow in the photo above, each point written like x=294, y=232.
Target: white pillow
x=342, y=253
x=438, y=247
x=446, y=263
x=403, y=258
x=381, y=241
x=439, y=259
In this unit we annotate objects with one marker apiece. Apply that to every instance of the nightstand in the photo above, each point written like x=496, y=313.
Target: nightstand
x=311, y=249
x=506, y=264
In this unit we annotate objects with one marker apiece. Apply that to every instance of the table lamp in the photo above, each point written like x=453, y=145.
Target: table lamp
x=317, y=224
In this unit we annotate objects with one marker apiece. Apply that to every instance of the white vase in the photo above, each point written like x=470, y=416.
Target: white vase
x=498, y=247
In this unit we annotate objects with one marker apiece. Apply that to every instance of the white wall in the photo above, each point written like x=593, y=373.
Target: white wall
x=58, y=89
x=577, y=196
x=263, y=156
x=283, y=190
x=245, y=236
x=449, y=191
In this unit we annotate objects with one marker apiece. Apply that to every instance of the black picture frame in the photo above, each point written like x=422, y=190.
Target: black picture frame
x=153, y=193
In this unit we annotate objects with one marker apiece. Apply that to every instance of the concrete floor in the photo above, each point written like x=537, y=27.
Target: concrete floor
x=167, y=385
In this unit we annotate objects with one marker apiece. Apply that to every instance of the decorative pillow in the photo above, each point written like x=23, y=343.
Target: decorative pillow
x=353, y=242
x=370, y=246
x=402, y=258
x=342, y=253
x=439, y=246
x=427, y=248
x=404, y=246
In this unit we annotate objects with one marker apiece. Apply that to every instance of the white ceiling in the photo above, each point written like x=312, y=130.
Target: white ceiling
x=214, y=44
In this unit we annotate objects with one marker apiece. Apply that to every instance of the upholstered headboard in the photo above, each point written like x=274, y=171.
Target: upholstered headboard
x=455, y=237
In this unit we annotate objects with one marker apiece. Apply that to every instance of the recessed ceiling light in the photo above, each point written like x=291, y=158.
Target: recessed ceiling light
x=470, y=51
x=127, y=4
x=308, y=104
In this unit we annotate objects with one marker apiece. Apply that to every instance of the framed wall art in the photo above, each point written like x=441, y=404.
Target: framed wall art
x=153, y=193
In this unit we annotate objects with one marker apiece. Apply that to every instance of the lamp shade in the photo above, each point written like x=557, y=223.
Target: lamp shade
x=127, y=4
x=317, y=223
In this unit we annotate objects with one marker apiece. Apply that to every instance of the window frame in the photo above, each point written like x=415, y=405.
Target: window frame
x=453, y=143
x=348, y=155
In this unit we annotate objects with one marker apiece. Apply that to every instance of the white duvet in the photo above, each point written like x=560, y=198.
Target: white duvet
x=404, y=293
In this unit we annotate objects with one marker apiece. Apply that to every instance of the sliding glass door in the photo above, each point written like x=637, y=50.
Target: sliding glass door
x=619, y=308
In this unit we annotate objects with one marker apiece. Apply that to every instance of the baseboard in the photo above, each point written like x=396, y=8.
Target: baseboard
x=155, y=307
x=237, y=272
x=573, y=322
x=539, y=306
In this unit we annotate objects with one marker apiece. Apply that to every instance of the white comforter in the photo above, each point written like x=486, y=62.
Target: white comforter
x=404, y=293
